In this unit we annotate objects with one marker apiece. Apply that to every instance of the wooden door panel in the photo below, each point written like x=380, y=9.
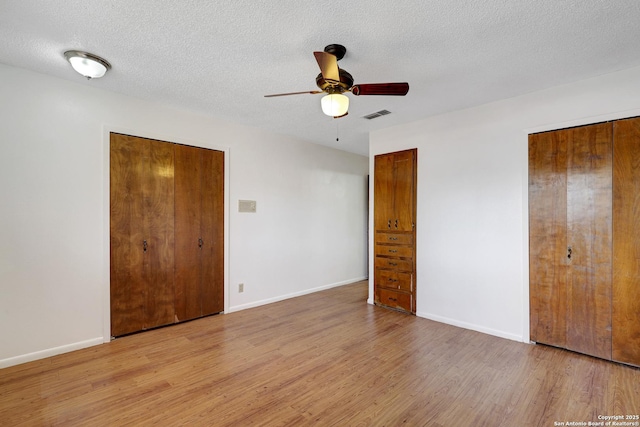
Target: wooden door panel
x=395, y=280
x=159, y=209
x=187, y=232
x=589, y=233
x=395, y=264
x=394, y=238
x=383, y=191
x=394, y=251
x=547, y=237
x=129, y=282
x=404, y=191
x=394, y=299
x=626, y=246
x=212, y=230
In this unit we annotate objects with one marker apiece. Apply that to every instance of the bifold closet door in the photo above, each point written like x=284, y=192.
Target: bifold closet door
x=626, y=243
x=570, y=237
x=141, y=229
x=199, y=192
x=589, y=237
x=212, y=231
x=548, y=237
x=187, y=226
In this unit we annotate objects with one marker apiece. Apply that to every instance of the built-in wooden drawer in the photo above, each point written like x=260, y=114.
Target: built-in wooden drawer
x=394, y=280
x=394, y=264
x=393, y=299
x=394, y=251
x=393, y=238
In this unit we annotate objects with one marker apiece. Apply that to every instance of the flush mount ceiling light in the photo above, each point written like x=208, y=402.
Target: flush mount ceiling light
x=89, y=65
x=335, y=105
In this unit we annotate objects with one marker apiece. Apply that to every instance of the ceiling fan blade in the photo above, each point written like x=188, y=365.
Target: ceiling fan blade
x=397, y=89
x=328, y=64
x=311, y=92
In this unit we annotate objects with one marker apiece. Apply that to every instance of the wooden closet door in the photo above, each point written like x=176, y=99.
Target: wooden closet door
x=188, y=166
x=383, y=191
x=159, y=218
x=141, y=230
x=404, y=191
x=129, y=164
x=548, y=237
x=589, y=233
x=626, y=242
x=212, y=232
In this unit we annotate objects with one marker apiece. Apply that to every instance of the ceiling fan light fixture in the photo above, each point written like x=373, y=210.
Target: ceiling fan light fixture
x=89, y=65
x=335, y=105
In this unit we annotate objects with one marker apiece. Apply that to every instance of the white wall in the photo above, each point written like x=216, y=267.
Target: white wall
x=472, y=226
x=309, y=232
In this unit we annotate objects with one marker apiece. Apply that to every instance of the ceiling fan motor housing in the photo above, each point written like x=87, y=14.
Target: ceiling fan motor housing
x=346, y=81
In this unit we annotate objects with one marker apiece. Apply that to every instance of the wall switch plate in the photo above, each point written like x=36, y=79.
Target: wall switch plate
x=247, y=206
x=241, y=287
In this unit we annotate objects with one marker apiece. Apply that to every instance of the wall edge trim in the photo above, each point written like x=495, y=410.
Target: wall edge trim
x=471, y=326
x=54, y=351
x=293, y=295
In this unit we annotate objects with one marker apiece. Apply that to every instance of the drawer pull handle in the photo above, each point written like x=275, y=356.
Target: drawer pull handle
x=393, y=238
x=392, y=299
x=389, y=223
x=393, y=251
x=392, y=280
x=396, y=223
x=393, y=263
x=144, y=246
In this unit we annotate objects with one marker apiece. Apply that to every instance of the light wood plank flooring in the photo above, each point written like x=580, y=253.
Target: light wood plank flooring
x=325, y=359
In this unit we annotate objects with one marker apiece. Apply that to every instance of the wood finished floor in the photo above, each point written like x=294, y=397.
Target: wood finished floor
x=325, y=359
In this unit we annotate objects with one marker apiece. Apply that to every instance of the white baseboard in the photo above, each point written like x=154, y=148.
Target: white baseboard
x=30, y=357
x=17, y=360
x=293, y=295
x=470, y=326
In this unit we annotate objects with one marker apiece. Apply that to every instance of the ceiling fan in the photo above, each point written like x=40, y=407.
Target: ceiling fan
x=335, y=82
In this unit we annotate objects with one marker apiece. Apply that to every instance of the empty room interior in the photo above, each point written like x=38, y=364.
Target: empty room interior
x=420, y=213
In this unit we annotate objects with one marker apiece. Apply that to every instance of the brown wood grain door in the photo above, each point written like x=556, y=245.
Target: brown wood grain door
x=141, y=230
x=548, y=237
x=159, y=218
x=188, y=166
x=129, y=281
x=626, y=247
x=167, y=233
x=404, y=190
x=199, y=192
x=570, y=238
x=589, y=233
x=212, y=231
x=383, y=191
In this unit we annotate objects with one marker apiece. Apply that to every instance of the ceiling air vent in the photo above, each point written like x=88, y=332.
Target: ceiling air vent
x=377, y=114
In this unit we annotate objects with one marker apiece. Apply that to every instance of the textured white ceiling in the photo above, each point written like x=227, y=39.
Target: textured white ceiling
x=221, y=57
